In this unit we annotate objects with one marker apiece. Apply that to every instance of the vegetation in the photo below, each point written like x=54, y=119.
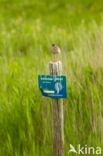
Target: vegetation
x=27, y=29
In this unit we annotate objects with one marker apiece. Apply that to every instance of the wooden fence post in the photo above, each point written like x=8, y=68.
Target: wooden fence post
x=55, y=68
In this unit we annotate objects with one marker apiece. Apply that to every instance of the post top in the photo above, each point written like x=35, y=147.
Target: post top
x=55, y=62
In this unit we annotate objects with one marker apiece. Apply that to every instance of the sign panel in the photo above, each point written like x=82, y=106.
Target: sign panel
x=52, y=86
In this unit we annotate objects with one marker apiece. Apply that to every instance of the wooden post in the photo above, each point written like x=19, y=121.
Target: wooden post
x=55, y=68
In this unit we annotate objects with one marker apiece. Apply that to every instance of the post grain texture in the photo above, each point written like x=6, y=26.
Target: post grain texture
x=55, y=68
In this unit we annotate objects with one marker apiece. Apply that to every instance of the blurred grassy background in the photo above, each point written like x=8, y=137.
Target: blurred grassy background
x=27, y=29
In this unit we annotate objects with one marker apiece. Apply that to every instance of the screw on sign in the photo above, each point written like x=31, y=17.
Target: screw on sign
x=54, y=86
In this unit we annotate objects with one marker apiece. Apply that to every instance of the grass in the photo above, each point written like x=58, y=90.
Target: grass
x=25, y=40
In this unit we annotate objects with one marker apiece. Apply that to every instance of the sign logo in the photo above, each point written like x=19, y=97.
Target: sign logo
x=85, y=150
x=58, y=87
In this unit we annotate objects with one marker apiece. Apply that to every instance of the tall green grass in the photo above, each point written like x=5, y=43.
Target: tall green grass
x=26, y=116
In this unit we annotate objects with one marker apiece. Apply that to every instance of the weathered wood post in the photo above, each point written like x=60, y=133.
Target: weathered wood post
x=54, y=87
x=55, y=68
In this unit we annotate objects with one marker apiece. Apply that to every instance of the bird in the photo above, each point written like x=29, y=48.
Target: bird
x=55, y=49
